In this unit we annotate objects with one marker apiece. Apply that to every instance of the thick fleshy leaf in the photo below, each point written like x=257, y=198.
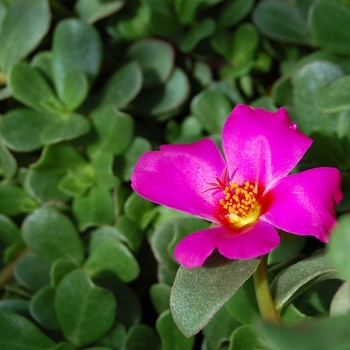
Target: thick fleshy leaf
x=112, y=256
x=334, y=97
x=321, y=334
x=170, y=336
x=339, y=247
x=244, y=337
x=17, y=332
x=42, y=308
x=330, y=25
x=114, y=129
x=282, y=21
x=94, y=10
x=156, y=58
x=304, y=203
x=211, y=108
x=142, y=337
x=16, y=41
x=197, y=294
x=8, y=163
x=341, y=301
x=32, y=271
x=45, y=230
x=165, y=99
x=307, y=81
x=256, y=240
x=297, y=278
x=160, y=296
x=234, y=11
x=29, y=86
x=219, y=328
x=85, y=312
x=70, y=34
x=123, y=86
x=94, y=208
x=21, y=129
x=258, y=153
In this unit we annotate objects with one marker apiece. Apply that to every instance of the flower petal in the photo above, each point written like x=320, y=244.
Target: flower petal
x=304, y=203
x=256, y=240
x=178, y=176
x=262, y=146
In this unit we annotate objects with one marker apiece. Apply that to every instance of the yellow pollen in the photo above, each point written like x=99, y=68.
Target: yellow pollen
x=240, y=205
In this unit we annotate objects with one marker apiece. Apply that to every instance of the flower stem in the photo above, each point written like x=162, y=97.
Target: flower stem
x=263, y=295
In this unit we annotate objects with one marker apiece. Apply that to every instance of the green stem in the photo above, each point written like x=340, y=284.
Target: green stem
x=263, y=295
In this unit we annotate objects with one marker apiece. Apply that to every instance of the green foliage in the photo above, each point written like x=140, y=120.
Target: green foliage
x=87, y=87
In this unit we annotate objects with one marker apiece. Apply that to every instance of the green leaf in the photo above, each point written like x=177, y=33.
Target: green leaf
x=75, y=89
x=334, y=97
x=94, y=208
x=21, y=129
x=129, y=232
x=62, y=346
x=136, y=206
x=64, y=127
x=123, y=86
x=244, y=337
x=115, y=130
x=321, y=334
x=85, y=312
x=142, y=337
x=44, y=176
x=132, y=154
x=94, y=10
x=17, y=332
x=330, y=26
x=8, y=163
x=112, y=256
x=291, y=315
x=45, y=230
x=160, y=296
x=30, y=87
x=17, y=306
x=219, y=328
x=32, y=271
x=165, y=99
x=16, y=41
x=14, y=200
x=69, y=35
x=198, y=293
x=339, y=245
x=341, y=301
x=186, y=10
x=9, y=232
x=42, y=308
x=297, y=278
x=234, y=11
x=60, y=268
x=115, y=338
x=243, y=305
x=282, y=21
x=307, y=81
x=245, y=43
x=170, y=336
x=201, y=31
x=156, y=58
x=161, y=12
x=211, y=108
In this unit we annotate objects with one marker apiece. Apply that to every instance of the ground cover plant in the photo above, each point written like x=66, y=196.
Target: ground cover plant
x=90, y=257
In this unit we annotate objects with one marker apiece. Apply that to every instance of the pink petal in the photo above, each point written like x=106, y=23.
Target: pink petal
x=256, y=240
x=262, y=146
x=178, y=176
x=304, y=203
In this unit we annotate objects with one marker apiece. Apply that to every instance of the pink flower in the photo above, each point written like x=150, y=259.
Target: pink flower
x=247, y=196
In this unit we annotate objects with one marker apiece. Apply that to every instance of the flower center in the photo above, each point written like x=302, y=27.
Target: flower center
x=240, y=206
